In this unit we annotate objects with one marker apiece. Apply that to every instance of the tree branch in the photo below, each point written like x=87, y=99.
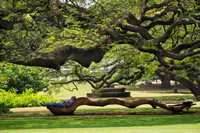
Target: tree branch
x=55, y=58
x=109, y=101
x=182, y=21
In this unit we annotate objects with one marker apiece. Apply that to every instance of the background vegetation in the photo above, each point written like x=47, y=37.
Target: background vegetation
x=10, y=99
x=22, y=77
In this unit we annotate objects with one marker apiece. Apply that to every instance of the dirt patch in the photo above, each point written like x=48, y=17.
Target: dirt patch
x=106, y=114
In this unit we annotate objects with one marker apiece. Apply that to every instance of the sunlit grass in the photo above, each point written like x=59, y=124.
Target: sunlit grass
x=153, y=129
x=83, y=89
x=143, y=121
x=64, y=92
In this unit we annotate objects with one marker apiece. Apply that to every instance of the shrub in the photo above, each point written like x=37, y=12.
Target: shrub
x=10, y=99
x=22, y=77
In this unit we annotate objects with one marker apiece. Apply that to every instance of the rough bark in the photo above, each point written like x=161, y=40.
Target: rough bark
x=190, y=85
x=55, y=58
x=127, y=103
x=184, y=81
x=165, y=83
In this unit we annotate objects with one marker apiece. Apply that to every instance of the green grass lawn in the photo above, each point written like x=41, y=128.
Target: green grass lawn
x=142, y=123
x=65, y=94
x=105, y=124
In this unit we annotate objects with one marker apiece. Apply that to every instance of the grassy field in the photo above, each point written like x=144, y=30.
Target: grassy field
x=64, y=93
x=154, y=129
x=139, y=91
x=174, y=123
x=104, y=124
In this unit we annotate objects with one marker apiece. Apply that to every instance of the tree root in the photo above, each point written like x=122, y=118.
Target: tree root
x=127, y=103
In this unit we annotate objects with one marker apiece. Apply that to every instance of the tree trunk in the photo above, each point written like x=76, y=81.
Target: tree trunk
x=165, y=83
x=109, y=101
x=175, y=87
x=198, y=81
x=195, y=90
x=191, y=86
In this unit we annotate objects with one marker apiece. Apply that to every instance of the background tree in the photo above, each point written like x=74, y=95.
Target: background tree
x=118, y=67
x=22, y=78
x=50, y=32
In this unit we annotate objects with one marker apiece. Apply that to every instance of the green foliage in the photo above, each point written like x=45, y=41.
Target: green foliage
x=22, y=77
x=10, y=99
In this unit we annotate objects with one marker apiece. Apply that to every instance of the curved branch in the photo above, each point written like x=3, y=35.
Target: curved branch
x=55, y=58
x=186, y=45
x=160, y=22
x=145, y=8
x=165, y=3
x=109, y=101
x=182, y=56
x=186, y=82
x=156, y=16
x=183, y=21
x=138, y=29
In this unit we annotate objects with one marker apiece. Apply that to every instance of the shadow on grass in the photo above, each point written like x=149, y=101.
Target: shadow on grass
x=92, y=122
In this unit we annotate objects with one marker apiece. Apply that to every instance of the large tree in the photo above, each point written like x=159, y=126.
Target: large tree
x=48, y=33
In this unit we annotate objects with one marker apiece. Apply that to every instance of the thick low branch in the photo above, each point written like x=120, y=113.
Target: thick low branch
x=109, y=101
x=55, y=58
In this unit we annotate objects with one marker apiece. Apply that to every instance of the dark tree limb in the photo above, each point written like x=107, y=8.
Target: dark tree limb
x=160, y=22
x=109, y=101
x=182, y=21
x=186, y=45
x=137, y=29
x=55, y=58
x=144, y=8
x=186, y=82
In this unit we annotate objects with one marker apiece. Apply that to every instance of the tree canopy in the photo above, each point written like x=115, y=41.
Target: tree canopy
x=48, y=33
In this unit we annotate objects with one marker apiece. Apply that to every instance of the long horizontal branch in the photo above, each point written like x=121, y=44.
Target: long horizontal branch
x=109, y=101
x=55, y=58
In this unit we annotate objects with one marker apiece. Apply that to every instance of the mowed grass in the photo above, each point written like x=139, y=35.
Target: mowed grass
x=187, y=123
x=148, y=123
x=83, y=89
x=64, y=93
x=154, y=129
